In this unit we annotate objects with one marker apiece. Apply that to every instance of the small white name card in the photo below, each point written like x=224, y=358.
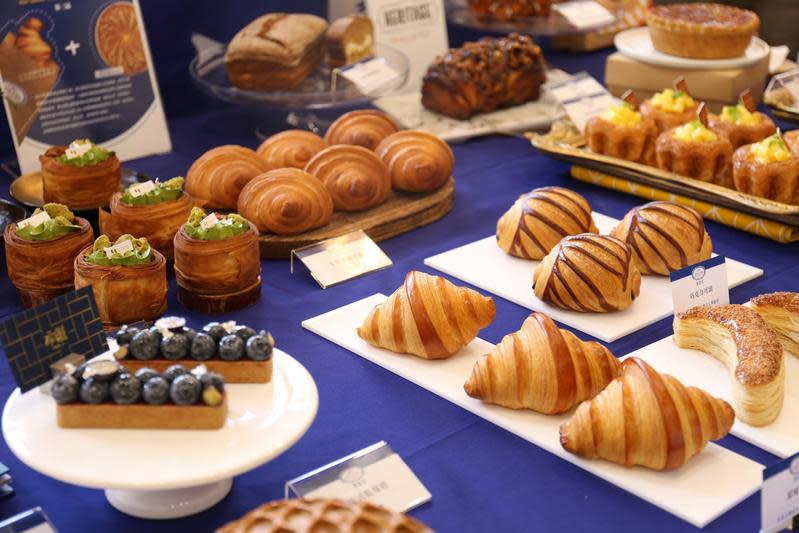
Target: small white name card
x=582, y=97
x=341, y=258
x=34, y=221
x=702, y=284
x=209, y=221
x=585, y=14
x=779, y=496
x=120, y=248
x=375, y=474
x=369, y=75
x=140, y=189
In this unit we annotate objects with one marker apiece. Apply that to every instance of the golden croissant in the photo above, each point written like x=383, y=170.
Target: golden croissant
x=543, y=368
x=218, y=176
x=427, y=316
x=418, y=161
x=290, y=148
x=646, y=418
x=355, y=177
x=362, y=127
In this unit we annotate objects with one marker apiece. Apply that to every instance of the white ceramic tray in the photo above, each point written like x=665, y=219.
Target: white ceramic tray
x=636, y=43
x=709, y=485
x=698, y=369
x=483, y=264
x=167, y=473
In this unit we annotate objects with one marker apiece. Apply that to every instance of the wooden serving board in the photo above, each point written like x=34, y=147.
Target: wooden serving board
x=401, y=213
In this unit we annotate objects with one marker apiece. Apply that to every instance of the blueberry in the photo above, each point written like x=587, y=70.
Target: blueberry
x=231, y=348
x=144, y=345
x=65, y=389
x=94, y=390
x=185, y=390
x=189, y=333
x=175, y=347
x=203, y=347
x=155, y=391
x=173, y=372
x=125, y=389
x=125, y=334
x=259, y=347
x=212, y=379
x=245, y=332
x=215, y=329
x=145, y=374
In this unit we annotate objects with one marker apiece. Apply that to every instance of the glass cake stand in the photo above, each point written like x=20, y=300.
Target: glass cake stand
x=554, y=24
x=164, y=474
x=303, y=107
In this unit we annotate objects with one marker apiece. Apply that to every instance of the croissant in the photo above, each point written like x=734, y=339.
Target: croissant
x=363, y=127
x=217, y=177
x=355, y=177
x=738, y=337
x=543, y=368
x=538, y=220
x=291, y=148
x=646, y=418
x=664, y=237
x=418, y=161
x=427, y=316
x=286, y=201
x=588, y=272
x=780, y=310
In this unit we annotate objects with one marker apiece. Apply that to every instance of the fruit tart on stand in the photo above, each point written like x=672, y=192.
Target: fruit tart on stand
x=742, y=123
x=128, y=278
x=152, y=210
x=623, y=132
x=40, y=252
x=768, y=169
x=217, y=262
x=80, y=176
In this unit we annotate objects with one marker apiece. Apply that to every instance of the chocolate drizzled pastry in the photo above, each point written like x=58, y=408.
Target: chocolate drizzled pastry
x=484, y=76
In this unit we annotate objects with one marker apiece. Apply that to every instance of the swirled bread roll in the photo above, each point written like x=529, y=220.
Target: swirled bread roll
x=588, y=273
x=286, y=201
x=538, y=220
x=363, y=127
x=664, y=237
x=355, y=177
x=418, y=161
x=290, y=148
x=217, y=177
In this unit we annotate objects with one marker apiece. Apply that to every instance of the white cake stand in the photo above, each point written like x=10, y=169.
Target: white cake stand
x=167, y=473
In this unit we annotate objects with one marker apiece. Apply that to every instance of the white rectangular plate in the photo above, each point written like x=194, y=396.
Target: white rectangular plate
x=698, y=369
x=708, y=486
x=483, y=264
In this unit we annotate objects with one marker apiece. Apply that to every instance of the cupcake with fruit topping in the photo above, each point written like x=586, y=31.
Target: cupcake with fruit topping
x=80, y=176
x=769, y=169
x=40, y=251
x=623, y=132
x=742, y=123
x=154, y=210
x=128, y=278
x=670, y=107
x=695, y=151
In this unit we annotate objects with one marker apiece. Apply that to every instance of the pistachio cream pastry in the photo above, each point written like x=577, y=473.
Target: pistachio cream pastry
x=40, y=251
x=768, y=169
x=80, y=176
x=623, y=132
x=128, y=278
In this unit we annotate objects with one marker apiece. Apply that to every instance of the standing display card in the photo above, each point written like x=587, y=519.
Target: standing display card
x=417, y=27
x=582, y=97
x=37, y=338
x=31, y=521
x=702, y=284
x=79, y=70
x=779, y=497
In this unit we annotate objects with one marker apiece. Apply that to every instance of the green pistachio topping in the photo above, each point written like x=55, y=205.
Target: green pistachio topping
x=84, y=153
x=225, y=227
x=139, y=252
x=61, y=222
x=167, y=191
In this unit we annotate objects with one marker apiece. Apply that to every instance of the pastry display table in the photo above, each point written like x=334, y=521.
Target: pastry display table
x=481, y=477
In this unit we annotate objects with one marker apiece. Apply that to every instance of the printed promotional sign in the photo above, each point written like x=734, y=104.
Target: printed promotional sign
x=79, y=69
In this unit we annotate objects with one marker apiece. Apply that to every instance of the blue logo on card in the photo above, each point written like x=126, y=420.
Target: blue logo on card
x=698, y=273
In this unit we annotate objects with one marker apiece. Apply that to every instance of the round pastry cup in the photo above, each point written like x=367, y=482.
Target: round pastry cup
x=42, y=270
x=124, y=294
x=78, y=187
x=631, y=143
x=704, y=161
x=741, y=134
x=777, y=181
x=665, y=120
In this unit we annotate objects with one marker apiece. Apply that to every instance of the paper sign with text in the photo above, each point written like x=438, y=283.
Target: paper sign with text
x=416, y=27
x=779, y=496
x=369, y=75
x=342, y=258
x=375, y=474
x=585, y=14
x=79, y=70
x=702, y=284
x=582, y=97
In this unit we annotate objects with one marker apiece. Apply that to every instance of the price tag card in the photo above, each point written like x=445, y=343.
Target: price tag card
x=31, y=521
x=122, y=248
x=34, y=221
x=585, y=14
x=702, y=284
x=342, y=258
x=779, y=496
x=209, y=221
x=368, y=75
x=582, y=97
x=139, y=189
x=375, y=474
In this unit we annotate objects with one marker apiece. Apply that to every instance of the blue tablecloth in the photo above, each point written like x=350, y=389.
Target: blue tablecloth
x=482, y=478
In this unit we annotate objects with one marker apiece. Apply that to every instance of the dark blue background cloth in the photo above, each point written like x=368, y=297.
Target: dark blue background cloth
x=482, y=478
